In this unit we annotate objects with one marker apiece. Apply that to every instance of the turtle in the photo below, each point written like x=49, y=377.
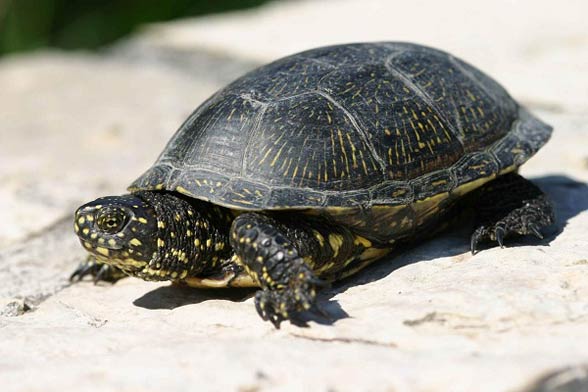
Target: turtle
x=305, y=170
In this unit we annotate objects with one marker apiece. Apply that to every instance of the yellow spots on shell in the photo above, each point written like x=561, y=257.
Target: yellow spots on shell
x=81, y=220
x=112, y=242
x=335, y=240
x=182, y=190
x=90, y=218
x=101, y=240
x=135, y=242
x=353, y=150
x=161, y=224
x=174, y=274
x=160, y=243
x=103, y=251
x=159, y=186
x=197, y=242
x=343, y=150
x=208, y=243
x=120, y=235
x=87, y=245
x=142, y=220
x=94, y=236
x=76, y=228
x=295, y=172
x=86, y=231
x=265, y=155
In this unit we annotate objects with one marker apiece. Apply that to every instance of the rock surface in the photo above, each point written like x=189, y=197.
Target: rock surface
x=75, y=126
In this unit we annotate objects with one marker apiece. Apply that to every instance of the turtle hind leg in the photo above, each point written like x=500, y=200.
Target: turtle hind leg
x=509, y=206
x=99, y=272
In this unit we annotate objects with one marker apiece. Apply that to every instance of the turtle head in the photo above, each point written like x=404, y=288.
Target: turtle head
x=119, y=231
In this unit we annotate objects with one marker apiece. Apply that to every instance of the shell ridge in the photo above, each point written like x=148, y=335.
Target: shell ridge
x=424, y=96
x=251, y=137
x=473, y=78
x=360, y=130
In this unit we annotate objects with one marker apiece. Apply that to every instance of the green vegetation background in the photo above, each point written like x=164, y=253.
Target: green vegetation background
x=74, y=24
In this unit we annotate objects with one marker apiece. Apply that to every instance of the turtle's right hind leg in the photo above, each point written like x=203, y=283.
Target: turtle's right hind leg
x=510, y=205
x=99, y=272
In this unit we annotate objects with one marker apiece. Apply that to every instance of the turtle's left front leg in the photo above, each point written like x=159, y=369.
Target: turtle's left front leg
x=285, y=253
x=100, y=272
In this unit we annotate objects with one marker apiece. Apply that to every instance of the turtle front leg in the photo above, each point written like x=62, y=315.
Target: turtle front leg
x=286, y=254
x=510, y=205
x=99, y=272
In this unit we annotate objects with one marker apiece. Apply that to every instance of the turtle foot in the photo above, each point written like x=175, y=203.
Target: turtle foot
x=529, y=219
x=99, y=272
x=279, y=304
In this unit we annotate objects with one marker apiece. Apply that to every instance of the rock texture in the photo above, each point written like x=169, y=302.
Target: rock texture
x=75, y=126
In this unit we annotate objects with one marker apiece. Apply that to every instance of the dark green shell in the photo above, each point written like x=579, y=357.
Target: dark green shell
x=359, y=124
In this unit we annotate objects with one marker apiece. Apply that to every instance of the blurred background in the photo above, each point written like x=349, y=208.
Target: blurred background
x=75, y=24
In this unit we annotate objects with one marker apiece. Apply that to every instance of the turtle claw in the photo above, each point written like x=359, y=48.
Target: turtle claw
x=85, y=268
x=526, y=220
x=102, y=272
x=264, y=304
x=98, y=271
x=535, y=230
x=279, y=304
x=499, y=235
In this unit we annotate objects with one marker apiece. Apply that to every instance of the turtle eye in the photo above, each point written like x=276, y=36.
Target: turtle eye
x=111, y=220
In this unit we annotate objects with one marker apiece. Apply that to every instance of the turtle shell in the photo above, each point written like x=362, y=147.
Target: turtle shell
x=362, y=124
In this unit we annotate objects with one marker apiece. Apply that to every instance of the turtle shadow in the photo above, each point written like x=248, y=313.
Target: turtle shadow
x=570, y=198
x=175, y=296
